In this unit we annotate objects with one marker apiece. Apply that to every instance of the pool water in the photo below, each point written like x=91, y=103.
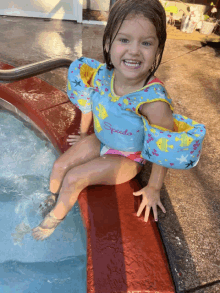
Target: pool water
x=57, y=264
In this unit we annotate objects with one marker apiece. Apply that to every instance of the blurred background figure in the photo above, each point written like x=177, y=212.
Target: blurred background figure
x=213, y=11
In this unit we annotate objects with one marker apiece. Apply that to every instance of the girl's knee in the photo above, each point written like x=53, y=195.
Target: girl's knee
x=73, y=181
x=56, y=177
x=59, y=165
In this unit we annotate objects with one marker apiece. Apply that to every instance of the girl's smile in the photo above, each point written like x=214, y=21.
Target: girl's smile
x=133, y=52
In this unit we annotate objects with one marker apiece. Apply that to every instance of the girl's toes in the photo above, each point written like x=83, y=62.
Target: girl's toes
x=47, y=227
x=39, y=234
x=35, y=234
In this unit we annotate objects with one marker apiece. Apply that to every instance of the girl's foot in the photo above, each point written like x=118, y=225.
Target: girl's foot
x=48, y=204
x=46, y=227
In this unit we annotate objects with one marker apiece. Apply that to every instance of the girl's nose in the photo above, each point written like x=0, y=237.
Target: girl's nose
x=134, y=48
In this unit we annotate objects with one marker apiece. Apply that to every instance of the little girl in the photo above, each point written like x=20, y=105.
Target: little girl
x=132, y=112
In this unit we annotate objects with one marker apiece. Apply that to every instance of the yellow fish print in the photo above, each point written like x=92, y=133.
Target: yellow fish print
x=194, y=123
x=185, y=140
x=69, y=86
x=98, y=83
x=162, y=144
x=82, y=102
x=98, y=127
x=125, y=101
x=153, y=130
x=102, y=111
x=197, y=135
x=86, y=73
x=75, y=93
x=102, y=93
x=113, y=98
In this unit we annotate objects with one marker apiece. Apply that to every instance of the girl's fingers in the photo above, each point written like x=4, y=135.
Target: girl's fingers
x=73, y=135
x=149, y=205
x=74, y=138
x=155, y=213
x=161, y=206
x=138, y=193
x=147, y=213
x=141, y=207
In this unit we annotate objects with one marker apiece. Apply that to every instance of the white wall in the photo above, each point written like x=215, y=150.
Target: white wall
x=102, y=5
x=57, y=9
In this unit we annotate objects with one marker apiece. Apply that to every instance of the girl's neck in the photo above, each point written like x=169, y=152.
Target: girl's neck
x=122, y=89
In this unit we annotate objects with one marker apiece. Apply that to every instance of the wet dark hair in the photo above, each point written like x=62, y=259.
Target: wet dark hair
x=150, y=9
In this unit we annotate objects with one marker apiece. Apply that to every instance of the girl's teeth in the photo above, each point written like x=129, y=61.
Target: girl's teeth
x=132, y=64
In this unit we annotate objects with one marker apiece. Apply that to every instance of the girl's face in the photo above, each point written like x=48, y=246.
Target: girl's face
x=134, y=50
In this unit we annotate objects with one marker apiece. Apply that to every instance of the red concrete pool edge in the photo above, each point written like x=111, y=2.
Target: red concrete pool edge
x=125, y=254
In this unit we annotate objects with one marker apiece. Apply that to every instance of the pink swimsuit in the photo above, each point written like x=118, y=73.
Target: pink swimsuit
x=134, y=156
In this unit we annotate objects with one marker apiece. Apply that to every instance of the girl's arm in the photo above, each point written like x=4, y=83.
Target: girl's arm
x=157, y=113
x=157, y=176
x=86, y=120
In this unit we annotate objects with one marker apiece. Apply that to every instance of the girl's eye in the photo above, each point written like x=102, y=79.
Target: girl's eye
x=126, y=41
x=146, y=43
x=123, y=40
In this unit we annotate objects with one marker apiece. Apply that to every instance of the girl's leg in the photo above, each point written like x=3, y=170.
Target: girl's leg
x=81, y=152
x=108, y=170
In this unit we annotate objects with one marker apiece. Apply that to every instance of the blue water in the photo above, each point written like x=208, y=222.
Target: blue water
x=57, y=264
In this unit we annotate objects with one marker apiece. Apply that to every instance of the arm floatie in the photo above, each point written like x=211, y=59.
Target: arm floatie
x=178, y=149
x=79, y=91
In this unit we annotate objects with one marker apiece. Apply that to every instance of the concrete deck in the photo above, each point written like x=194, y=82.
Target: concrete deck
x=191, y=72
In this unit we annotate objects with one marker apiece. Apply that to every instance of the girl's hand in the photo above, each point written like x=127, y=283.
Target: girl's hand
x=151, y=198
x=72, y=139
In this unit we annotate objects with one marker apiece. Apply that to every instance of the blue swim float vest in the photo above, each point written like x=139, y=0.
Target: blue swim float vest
x=119, y=124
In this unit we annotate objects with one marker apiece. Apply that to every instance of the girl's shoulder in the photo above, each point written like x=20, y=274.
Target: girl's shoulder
x=154, y=87
x=154, y=91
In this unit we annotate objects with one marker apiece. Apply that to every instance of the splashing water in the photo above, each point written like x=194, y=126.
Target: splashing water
x=26, y=160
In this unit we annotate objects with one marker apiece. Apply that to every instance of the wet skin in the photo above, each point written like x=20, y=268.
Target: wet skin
x=136, y=41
